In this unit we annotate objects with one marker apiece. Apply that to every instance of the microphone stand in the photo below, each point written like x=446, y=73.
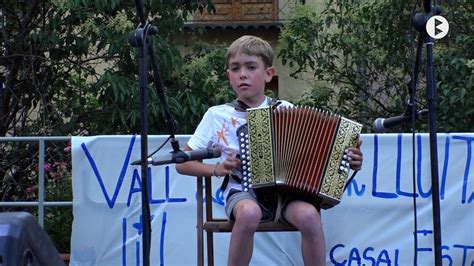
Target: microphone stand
x=419, y=23
x=139, y=39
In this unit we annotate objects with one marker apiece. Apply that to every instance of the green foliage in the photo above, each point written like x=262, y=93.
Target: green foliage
x=454, y=66
x=359, y=55
x=203, y=84
x=68, y=68
x=58, y=225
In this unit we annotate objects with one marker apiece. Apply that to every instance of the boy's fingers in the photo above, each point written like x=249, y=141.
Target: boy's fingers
x=359, y=143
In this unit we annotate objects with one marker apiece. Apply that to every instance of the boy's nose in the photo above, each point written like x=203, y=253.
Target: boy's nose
x=243, y=73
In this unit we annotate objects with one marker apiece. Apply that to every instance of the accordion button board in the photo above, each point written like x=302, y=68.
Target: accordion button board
x=246, y=170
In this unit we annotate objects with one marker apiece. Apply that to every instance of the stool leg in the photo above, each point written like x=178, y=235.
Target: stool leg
x=210, y=249
x=200, y=219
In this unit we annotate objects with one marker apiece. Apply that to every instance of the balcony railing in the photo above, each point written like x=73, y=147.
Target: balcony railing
x=36, y=146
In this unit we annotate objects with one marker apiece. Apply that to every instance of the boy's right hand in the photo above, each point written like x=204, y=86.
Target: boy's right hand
x=227, y=167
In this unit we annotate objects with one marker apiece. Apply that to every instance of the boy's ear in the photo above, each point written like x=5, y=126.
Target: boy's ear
x=270, y=72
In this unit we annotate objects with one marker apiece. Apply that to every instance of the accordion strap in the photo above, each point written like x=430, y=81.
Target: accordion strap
x=242, y=107
x=349, y=180
x=226, y=181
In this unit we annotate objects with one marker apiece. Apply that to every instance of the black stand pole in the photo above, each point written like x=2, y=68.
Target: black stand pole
x=419, y=23
x=431, y=95
x=139, y=39
x=143, y=70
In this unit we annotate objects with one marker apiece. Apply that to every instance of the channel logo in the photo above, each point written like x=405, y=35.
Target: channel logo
x=437, y=27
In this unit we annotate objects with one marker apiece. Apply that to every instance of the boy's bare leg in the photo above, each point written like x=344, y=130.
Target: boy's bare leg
x=307, y=219
x=247, y=215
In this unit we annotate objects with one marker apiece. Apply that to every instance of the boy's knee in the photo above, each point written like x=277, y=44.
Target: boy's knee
x=248, y=212
x=307, y=218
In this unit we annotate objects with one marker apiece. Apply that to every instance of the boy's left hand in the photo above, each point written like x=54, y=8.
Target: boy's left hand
x=355, y=156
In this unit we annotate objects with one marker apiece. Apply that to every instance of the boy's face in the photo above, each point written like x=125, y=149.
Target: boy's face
x=248, y=75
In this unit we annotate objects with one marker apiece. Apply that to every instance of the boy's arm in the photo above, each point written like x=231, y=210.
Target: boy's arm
x=196, y=168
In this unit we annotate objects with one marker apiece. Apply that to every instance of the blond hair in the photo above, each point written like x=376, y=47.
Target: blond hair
x=251, y=45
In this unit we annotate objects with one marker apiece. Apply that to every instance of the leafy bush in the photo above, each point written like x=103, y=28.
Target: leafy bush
x=359, y=55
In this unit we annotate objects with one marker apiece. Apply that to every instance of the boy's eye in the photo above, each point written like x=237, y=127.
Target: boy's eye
x=251, y=67
x=234, y=68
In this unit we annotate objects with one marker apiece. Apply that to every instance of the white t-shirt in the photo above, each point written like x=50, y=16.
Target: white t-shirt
x=218, y=128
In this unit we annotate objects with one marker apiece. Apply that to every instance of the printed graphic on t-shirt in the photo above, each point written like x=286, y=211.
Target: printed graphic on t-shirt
x=235, y=122
x=223, y=134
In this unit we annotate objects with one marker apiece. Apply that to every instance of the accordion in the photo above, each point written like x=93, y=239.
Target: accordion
x=300, y=149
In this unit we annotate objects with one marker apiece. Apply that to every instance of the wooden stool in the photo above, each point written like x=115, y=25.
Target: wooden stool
x=218, y=225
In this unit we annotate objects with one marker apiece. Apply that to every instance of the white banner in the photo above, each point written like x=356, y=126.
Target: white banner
x=373, y=225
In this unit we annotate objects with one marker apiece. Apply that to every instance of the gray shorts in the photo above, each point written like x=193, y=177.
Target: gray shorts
x=271, y=210
x=272, y=203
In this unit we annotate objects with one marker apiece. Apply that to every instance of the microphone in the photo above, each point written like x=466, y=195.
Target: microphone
x=382, y=124
x=184, y=156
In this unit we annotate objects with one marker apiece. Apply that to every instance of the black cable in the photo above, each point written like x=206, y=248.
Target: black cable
x=159, y=148
x=413, y=125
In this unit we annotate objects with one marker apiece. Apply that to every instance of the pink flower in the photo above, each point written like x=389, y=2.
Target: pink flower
x=32, y=189
x=61, y=164
x=68, y=147
x=47, y=167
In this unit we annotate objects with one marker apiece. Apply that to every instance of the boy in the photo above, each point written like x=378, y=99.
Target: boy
x=249, y=68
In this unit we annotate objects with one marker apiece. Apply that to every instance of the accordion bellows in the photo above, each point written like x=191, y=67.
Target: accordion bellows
x=300, y=149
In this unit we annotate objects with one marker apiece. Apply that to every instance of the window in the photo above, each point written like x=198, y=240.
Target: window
x=241, y=11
